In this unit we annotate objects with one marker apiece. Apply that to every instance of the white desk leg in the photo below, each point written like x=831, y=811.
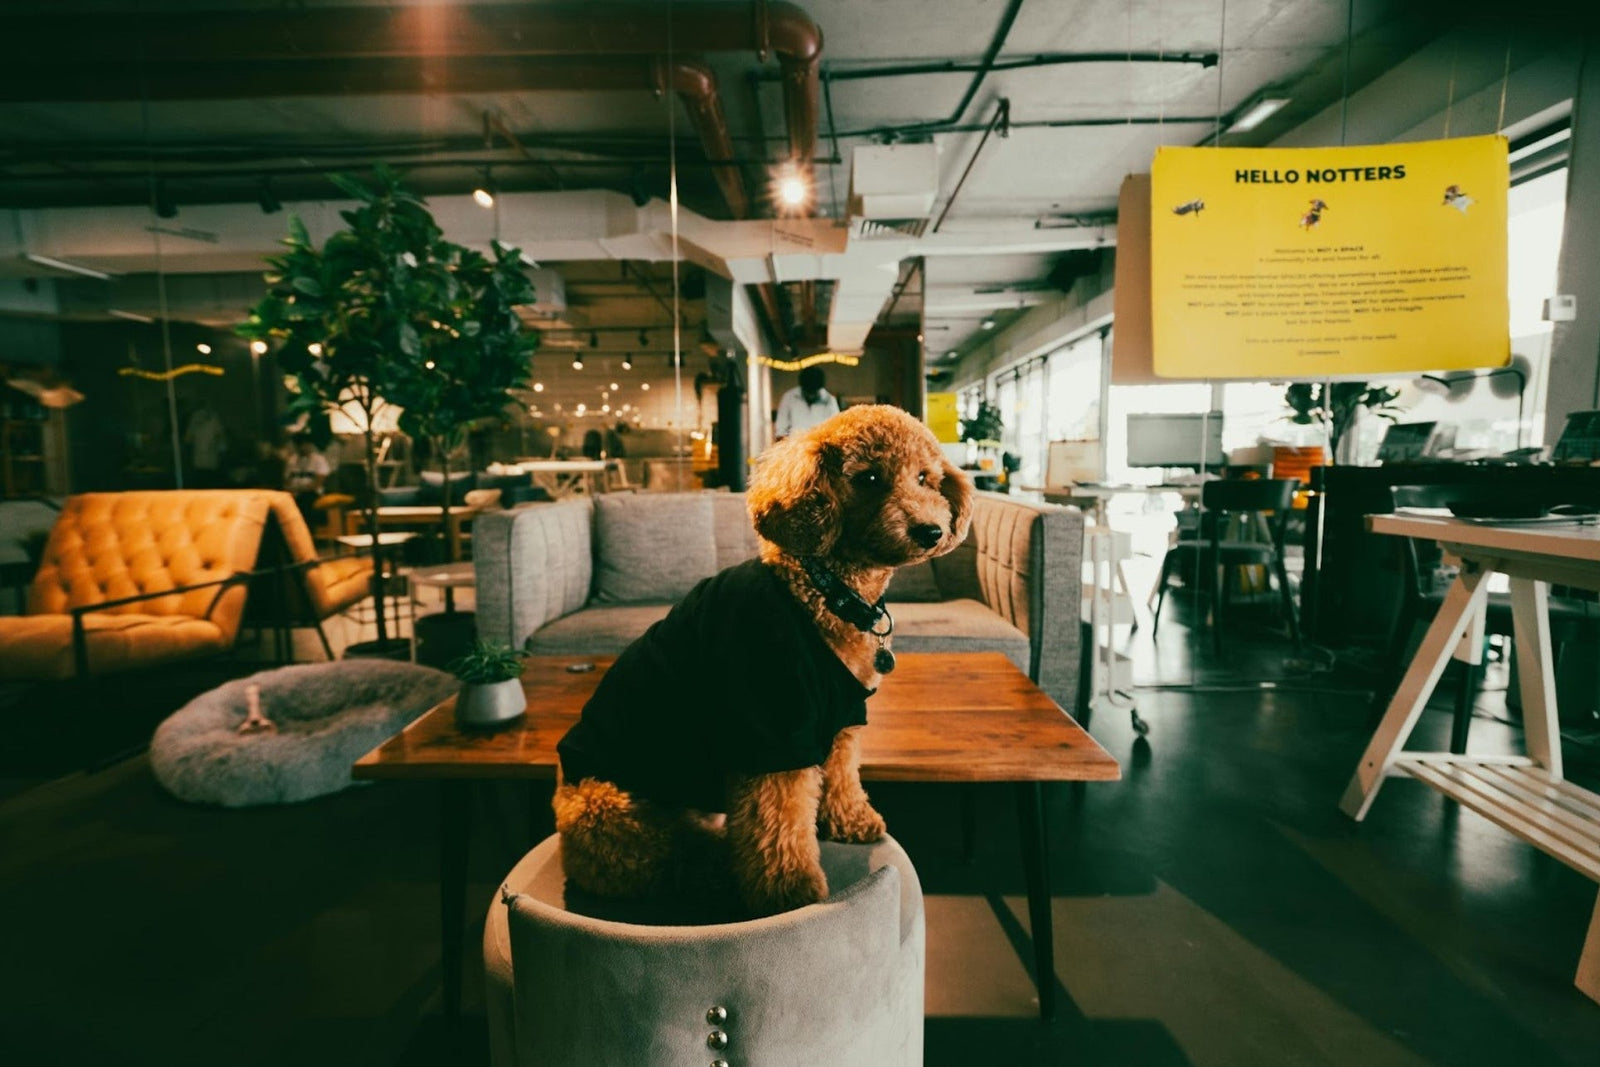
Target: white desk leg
x=1465, y=598
x=1530, y=619
x=1588, y=979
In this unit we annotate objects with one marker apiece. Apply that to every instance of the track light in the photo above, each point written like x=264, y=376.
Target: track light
x=270, y=204
x=645, y=386
x=60, y=264
x=161, y=201
x=613, y=387
x=203, y=348
x=988, y=323
x=484, y=193
x=644, y=339
x=627, y=362
x=258, y=348
x=538, y=387
x=594, y=339
x=1256, y=113
x=577, y=362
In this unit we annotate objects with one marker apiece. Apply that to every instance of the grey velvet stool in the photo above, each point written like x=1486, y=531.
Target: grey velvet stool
x=839, y=982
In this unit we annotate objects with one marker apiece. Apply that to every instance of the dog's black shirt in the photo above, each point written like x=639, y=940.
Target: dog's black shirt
x=736, y=679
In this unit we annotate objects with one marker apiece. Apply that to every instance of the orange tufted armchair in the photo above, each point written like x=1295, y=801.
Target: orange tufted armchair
x=304, y=590
x=135, y=580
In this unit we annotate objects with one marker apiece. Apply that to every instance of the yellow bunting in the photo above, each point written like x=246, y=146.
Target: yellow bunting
x=168, y=375
x=809, y=361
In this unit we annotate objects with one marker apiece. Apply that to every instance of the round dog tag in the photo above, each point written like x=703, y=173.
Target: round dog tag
x=883, y=660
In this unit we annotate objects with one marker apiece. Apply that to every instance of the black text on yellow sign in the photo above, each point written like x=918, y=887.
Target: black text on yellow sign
x=1329, y=262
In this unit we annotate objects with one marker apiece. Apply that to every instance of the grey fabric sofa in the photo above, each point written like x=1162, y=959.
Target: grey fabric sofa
x=548, y=581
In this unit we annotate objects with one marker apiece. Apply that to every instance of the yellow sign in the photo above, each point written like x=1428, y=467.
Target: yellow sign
x=1329, y=262
x=942, y=418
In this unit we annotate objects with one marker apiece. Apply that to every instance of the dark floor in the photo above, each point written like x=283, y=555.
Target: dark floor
x=1213, y=907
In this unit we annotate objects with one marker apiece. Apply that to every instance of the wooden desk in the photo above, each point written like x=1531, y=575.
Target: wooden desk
x=1526, y=795
x=940, y=717
x=563, y=477
x=418, y=515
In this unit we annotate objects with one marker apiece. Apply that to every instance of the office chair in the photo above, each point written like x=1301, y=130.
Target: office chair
x=1572, y=619
x=1269, y=498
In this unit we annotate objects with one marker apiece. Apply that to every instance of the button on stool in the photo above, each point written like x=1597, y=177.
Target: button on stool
x=839, y=982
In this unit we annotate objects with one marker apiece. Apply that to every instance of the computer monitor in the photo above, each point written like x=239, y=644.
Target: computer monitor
x=1188, y=440
x=1407, y=441
x=1580, y=438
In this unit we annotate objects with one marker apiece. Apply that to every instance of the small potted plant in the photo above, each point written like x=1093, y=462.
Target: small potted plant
x=491, y=685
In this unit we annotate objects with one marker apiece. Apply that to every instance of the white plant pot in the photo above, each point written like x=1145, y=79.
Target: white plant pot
x=489, y=705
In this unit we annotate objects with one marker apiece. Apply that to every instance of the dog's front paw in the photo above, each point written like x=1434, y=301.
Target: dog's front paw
x=856, y=824
x=785, y=890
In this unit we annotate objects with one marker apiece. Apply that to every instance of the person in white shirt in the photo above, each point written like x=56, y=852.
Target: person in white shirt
x=304, y=473
x=806, y=404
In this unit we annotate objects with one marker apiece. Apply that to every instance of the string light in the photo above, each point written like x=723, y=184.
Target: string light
x=809, y=361
x=258, y=348
x=203, y=349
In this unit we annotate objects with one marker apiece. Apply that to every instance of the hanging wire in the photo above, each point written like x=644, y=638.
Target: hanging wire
x=672, y=209
x=1450, y=88
x=1505, y=80
x=1222, y=52
x=1344, y=93
x=161, y=288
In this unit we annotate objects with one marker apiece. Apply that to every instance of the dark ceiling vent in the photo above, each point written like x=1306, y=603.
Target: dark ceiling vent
x=1070, y=266
x=878, y=229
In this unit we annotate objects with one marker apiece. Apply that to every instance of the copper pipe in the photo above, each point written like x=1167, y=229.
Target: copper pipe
x=44, y=44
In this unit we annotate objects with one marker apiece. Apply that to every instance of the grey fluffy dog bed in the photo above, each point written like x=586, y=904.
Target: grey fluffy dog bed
x=328, y=715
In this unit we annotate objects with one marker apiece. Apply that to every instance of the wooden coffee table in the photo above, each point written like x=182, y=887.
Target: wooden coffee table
x=940, y=717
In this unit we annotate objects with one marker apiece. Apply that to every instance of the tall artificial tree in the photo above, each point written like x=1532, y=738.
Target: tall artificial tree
x=385, y=309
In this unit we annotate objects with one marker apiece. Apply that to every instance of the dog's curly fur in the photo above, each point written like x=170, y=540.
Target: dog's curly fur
x=849, y=493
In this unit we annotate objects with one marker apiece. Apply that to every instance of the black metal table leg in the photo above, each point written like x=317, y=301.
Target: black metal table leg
x=969, y=823
x=1036, y=868
x=455, y=831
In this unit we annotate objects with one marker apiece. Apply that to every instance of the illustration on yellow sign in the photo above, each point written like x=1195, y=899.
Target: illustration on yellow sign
x=1329, y=262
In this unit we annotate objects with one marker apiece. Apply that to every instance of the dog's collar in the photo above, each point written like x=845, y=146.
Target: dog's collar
x=846, y=603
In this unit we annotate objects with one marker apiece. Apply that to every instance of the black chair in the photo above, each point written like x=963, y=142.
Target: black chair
x=1270, y=499
x=1572, y=619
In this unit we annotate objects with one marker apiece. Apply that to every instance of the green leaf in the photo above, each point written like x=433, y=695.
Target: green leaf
x=298, y=234
x=410, y=343
x=304, y=283
x=350, y=187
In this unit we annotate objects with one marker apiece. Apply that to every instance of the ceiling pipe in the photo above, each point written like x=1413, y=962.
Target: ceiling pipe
x=355, y=36
x=75, y=52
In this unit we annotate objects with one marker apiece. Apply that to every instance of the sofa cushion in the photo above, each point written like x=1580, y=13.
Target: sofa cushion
x=957, y=626
x=39, y=647
x=651, y=548
x=431, y=487
x=735, y=534
x=915, y=584
x=598, y=631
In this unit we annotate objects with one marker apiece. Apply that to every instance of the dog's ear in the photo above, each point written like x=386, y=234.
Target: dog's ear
x=794, y=500
x=957, y=489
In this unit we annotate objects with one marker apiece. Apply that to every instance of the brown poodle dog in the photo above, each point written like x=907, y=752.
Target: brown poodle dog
x=748, y=698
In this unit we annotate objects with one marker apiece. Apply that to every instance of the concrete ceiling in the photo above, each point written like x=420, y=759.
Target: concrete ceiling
x=1049, y=165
